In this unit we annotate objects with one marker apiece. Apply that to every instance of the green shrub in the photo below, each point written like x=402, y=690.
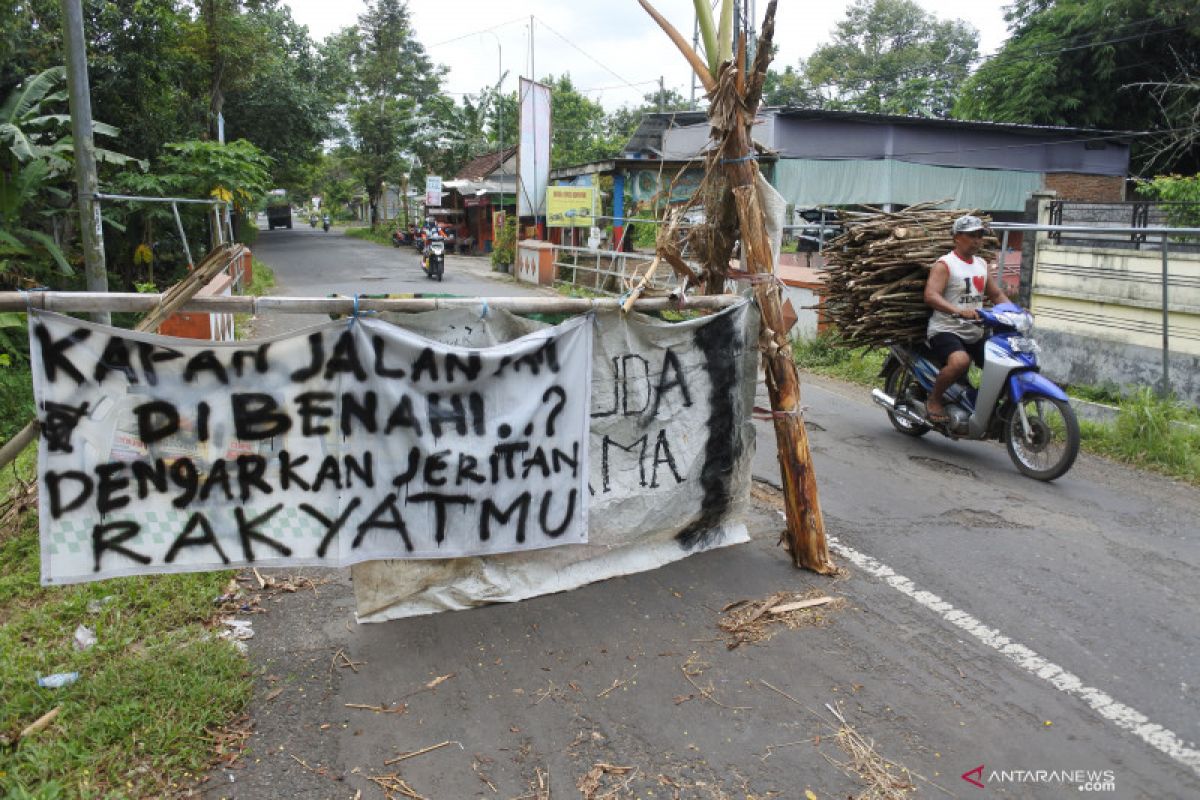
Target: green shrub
x=828, y=355
x=1149, y=431
x=504, y=249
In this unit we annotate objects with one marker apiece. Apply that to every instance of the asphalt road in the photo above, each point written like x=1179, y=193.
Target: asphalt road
x=988, y=620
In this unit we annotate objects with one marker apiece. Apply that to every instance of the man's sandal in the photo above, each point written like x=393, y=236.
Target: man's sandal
x=938, y=418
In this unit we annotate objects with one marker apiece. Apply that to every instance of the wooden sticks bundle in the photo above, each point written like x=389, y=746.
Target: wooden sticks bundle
x=875, y=280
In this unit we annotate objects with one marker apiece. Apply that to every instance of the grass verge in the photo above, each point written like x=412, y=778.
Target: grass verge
x=262, y=280
x=383, y=235
x=1146, y=432
x=137, y=721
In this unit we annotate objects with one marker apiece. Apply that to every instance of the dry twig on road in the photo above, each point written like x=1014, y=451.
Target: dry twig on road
x=754, y=621
x=421, y=752
x=886, y=780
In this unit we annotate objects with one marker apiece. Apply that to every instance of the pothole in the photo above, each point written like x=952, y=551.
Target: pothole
x=975, y=518
x=942, y=466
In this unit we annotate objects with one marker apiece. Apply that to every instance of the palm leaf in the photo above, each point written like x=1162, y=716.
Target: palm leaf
x=32, y=92
x=725, y=34
x=11, y=244
x=49, y=245
x=708, y=34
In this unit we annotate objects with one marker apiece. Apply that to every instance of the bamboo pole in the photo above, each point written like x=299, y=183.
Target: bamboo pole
x=131, y=302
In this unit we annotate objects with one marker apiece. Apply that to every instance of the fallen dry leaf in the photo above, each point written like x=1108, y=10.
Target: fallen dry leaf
x=438, y=681
x=594, y=779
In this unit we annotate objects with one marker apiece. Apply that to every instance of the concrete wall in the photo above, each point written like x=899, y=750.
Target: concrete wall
x=1099, y=316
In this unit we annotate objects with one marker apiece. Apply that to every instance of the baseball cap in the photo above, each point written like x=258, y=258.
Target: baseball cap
x=967, y=224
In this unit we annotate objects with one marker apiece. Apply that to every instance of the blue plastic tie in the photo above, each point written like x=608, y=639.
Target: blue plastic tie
x=484, y=311
x=747, y=157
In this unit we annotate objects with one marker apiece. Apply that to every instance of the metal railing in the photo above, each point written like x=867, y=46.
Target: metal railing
x=1097, y=222
x=1164, y=236
x=611, y=272
x=223, y=227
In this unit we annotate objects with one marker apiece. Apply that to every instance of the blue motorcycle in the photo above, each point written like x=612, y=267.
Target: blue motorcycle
x=1013, y=402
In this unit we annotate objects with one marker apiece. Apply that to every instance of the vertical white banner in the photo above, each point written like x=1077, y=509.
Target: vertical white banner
x=433, y=191
x=533, y=152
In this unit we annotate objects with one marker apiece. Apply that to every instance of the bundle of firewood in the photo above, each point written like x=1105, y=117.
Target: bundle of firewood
x=876, y=272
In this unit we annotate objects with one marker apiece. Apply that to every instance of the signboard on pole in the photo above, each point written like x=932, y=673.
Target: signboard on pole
x=569, y=206
x=433, y=191
x=533, y=149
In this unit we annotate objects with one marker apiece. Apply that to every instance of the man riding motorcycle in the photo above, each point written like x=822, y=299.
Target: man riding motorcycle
x=955, y=290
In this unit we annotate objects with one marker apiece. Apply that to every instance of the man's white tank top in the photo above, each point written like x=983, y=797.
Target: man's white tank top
x=964, y=288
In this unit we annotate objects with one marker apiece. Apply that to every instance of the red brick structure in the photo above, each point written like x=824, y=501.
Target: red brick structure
x=1090, y=188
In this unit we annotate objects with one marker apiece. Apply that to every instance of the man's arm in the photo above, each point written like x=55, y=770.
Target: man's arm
x=935, y=285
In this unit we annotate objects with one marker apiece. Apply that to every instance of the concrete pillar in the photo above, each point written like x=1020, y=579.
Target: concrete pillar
x=1037, y=211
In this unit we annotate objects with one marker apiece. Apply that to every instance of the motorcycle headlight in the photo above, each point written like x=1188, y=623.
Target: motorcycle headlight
x=1020, y=321
x=438, y=248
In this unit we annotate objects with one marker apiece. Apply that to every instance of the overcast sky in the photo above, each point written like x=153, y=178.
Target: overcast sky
x=611, y=48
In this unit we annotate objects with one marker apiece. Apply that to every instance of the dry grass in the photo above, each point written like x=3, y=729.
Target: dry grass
x=751, y=621
x=886, y=780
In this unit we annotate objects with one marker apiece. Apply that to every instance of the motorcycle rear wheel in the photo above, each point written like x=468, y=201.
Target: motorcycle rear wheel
x=897, y=384
x=1053, y=441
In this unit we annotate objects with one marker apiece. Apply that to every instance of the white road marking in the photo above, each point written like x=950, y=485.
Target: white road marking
x=1121, y=715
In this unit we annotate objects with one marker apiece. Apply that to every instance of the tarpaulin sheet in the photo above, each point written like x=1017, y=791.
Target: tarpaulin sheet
x=668, y=463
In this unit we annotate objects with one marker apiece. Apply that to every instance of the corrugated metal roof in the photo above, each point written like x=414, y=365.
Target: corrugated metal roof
x=936, y=122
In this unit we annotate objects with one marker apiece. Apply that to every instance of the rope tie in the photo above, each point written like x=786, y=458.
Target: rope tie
x=767, y=414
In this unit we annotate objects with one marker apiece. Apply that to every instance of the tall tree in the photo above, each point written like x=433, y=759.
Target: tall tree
x=578, y=133
x=788, y=88
x=394, y=87
x=891, y=57
x=1118, y=64
x=284, y=109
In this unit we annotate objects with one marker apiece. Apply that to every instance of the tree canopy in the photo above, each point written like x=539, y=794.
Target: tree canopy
x=886, y=56
x=1118, y=65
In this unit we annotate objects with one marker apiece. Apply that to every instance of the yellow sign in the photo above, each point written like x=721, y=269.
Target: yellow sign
x=569, y=206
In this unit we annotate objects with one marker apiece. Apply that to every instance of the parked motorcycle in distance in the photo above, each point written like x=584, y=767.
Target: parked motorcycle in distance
x=433, y=261
x=1013, y=402
x=312, y=221
x=325, y=223
x=402, y=237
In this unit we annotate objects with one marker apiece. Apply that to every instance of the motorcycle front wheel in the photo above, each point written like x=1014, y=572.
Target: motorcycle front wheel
x=898, y=384
x=1052, y=443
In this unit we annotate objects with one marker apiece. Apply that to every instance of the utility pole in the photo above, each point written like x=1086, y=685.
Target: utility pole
x=662, y=92
x=696, y=47
x=90, y=225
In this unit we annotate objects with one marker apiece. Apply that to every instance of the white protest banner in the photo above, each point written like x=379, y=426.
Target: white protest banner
x=668, y=466
x=345, y=442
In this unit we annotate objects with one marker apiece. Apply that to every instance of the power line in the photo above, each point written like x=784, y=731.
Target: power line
x=476, y=33
x=595, y=60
